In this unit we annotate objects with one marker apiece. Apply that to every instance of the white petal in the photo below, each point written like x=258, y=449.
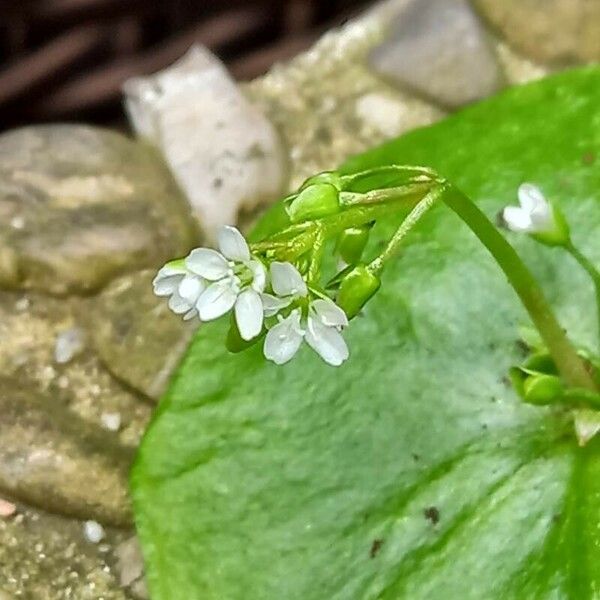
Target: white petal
x=190, y=288
x=232, y=244
x=517, y=219
x=542, y=218
x=216, y=300
x=178, y=304
x=259, y=275
x=207, y=263
x=190, y=314
x=272, y=304
x=286, y=280
x=249, y=314
x=283, y=340
x=530, y=196
x=329, y=313
x=327, y=342
x=167, y=279
x=165, y=286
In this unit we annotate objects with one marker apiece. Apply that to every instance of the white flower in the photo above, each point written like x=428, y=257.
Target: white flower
x=287, y=283
x=234, y=280
x=534, y=215
x=320, y=327
x=183, y=287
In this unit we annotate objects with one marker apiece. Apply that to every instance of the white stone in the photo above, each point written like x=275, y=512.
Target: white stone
x=93, y=532
x=68, y=344
x=224, y=153
x=111, y=421
x=382, y=113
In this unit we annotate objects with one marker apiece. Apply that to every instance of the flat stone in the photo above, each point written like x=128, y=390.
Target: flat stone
x=53, y=459
x=561, y=32
x=225, y=154
x=438, y=49
x=79, y=205
x=136, y=335
x=54, y=450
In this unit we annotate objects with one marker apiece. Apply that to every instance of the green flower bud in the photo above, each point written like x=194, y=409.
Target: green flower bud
x=356, y=289
x=542, y=389
x=331, y=177
x=316, y=201
x=352, y=242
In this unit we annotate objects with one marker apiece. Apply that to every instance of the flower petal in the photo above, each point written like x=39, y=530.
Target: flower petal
x=259, y=275
x=530, y=196
x=249, y=314
x=542, y=218
x=329, y=313
x=232, y=244
x=517, y=219
x=327, y=342
x=193, y=312
x=165, y=286
x=168, y=277
x=284, y=339
x=190, y=288
x=178, y=304
x=216, y=300
x=286, y=280
x=272, y=304
x=207, y=263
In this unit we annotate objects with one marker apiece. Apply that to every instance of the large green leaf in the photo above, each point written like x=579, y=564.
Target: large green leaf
x=413, y=471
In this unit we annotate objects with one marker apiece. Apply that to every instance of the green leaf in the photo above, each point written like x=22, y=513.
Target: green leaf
x=413, y=471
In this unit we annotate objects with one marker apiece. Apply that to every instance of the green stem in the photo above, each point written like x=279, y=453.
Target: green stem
x=411, y=220
x=569, y=364
x=591, y=271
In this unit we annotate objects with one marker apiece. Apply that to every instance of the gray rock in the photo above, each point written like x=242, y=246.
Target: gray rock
x=79, y=205
x=130, y=568
x=136, y=335
x=438, y=49
x=59, y=461
x=558, y=32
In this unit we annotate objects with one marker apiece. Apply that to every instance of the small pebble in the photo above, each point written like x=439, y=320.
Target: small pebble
x=7, y=509
x=111, y=421
x=93, y=531
x=22, y=304
x=17, y=222
x=68, y=344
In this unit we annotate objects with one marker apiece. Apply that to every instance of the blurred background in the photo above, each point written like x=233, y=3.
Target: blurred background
x=67, y=59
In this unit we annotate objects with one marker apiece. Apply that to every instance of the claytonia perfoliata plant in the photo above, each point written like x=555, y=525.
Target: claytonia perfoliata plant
x=279, y=294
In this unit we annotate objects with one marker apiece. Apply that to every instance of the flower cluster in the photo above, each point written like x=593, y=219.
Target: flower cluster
x=277, y=301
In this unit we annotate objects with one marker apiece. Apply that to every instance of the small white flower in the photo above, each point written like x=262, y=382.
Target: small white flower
x=183, y=287
x=288, y=285
x=321, y=329
x=235, y=280
x=534, y=215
